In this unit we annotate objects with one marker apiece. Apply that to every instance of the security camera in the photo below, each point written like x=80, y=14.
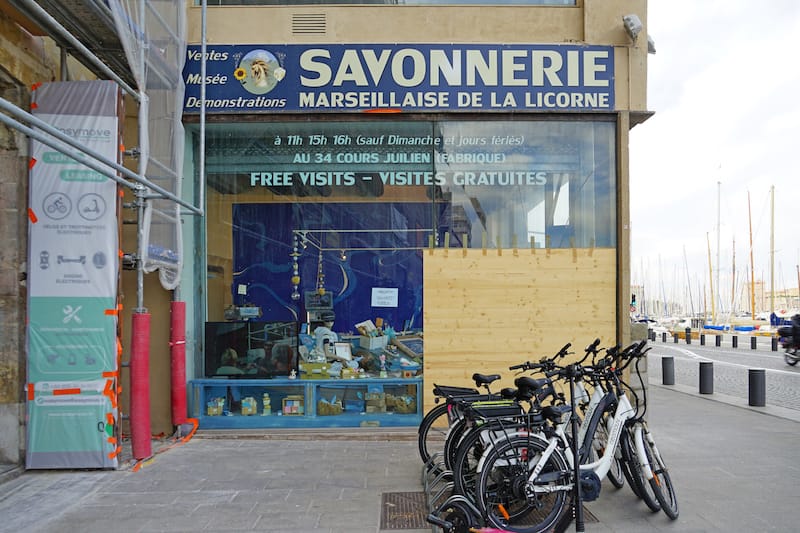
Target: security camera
x=651, y=45
x=633, y=25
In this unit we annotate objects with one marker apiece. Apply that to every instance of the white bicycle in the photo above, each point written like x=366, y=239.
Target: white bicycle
x=535, y=472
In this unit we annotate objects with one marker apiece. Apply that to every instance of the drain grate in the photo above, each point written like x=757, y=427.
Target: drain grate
x=404, y=510
x=408, y=510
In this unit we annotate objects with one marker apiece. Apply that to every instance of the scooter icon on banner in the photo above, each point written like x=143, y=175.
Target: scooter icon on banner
x=70, y=314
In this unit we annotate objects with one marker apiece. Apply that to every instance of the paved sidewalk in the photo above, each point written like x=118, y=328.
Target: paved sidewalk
x=734, y=468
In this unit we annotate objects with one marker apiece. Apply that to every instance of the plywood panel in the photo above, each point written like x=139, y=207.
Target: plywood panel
x=484, y=313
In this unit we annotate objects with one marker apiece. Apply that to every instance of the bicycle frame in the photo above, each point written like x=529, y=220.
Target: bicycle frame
x=639, y=433
x=622, y=414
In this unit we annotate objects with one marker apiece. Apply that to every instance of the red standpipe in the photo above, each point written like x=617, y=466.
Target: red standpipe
x=177, y=343
x=140, y=387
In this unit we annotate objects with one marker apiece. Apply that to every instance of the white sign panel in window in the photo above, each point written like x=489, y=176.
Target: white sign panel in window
x=382, y=297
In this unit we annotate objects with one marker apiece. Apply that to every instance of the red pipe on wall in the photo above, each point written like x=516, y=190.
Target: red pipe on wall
x=177, y=343
x=140, y=386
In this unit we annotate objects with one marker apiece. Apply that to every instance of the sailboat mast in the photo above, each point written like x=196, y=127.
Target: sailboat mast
x=719, y=264
x=733, y=280
x=711, y=283
x=772, y=250
x=752, y=273
x=688, y=280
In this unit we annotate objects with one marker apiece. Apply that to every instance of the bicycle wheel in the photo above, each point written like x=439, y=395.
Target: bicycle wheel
x=635, y=476
x=432, y=431
x=615, y=474
x=469, y=452
x=661, y=482
x=457, y=431
x=465, y=466
x=626, y=471
x=501, y=494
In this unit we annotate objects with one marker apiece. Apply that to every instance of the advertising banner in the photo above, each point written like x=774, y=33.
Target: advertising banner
x=72, y=283
x=400, y=77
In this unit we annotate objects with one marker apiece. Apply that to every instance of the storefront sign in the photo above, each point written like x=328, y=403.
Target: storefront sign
x=424, y=77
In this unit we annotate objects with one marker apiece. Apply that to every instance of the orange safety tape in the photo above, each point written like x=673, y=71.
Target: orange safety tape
x=108, y=390
x=139, y=464
x=195, y=423
x=110, y=418
x=32, y=216
x=34, y=105
x=115, y=452
x=111, y=440
x=110, y=312
x=64, y=392
x=110, y=374
x=36, y=85
x=30, y=392
x=32, y=162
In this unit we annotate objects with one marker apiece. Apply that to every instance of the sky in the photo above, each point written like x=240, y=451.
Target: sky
x=724, y=85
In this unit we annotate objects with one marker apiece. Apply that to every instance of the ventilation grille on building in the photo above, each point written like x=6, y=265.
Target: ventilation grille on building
x=306, y=23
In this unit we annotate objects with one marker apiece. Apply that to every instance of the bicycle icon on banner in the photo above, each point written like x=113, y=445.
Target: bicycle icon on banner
x=57, y=205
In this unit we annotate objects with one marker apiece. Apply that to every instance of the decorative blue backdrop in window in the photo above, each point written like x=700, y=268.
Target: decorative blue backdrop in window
x=360, y=248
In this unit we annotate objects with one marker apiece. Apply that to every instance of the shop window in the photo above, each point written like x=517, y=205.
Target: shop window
x=345, y=209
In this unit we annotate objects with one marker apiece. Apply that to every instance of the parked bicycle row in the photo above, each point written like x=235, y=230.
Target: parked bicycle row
x=507, y=459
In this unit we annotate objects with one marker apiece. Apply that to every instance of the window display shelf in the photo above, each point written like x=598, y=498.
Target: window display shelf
x=292, y=403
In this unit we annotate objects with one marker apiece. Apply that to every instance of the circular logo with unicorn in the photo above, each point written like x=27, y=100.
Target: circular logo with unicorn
x=259, y=72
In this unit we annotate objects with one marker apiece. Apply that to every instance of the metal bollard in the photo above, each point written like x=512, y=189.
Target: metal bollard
x=702, y=339
x=706, y=377
x=668, y=370
x=718, y=341
x=663, y=336
x=774, y=344
x=688, y=335
x=735, y=341
x=757, y=387
x=675, y=338
x=753, y=343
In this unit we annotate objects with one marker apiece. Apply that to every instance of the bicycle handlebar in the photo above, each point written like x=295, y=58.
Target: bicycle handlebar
x=544, y=363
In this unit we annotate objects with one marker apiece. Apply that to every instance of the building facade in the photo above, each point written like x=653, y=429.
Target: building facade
x=447, y=181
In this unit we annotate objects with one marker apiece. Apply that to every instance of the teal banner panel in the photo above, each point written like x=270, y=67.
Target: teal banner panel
x=72, y=369
x=70, y=338
x=67, y=427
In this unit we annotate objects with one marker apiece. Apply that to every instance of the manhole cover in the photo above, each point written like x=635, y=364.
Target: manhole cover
x=403, y=510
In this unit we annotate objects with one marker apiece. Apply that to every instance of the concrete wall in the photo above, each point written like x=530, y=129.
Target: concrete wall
x=23, y=61
x=26, y=59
